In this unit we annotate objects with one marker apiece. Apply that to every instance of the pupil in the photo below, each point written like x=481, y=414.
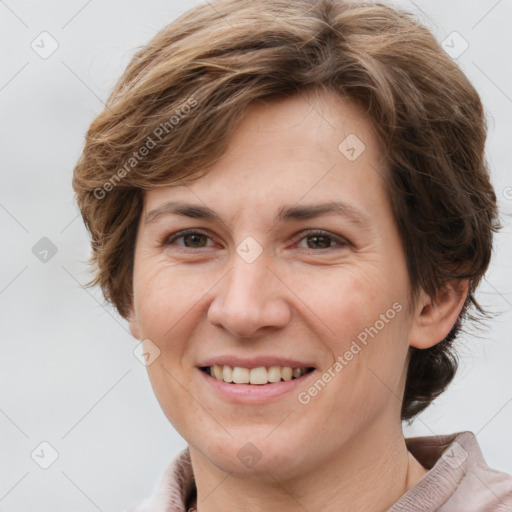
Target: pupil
x=195, y=237
x=317, y=238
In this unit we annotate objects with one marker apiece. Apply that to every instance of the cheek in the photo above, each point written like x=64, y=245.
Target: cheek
x=373, y=359
x=171, y=392
x=165, y=296
x=346, y=299
x=363, y=315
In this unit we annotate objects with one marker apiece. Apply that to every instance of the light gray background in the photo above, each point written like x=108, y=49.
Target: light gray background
x=67, y=372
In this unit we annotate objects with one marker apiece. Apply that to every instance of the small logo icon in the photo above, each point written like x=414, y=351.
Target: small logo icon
x=44, y=250
x=455, y=455
x=455, y=45
x=352, y=147
x=44, y=455
x=44, y=45
x=146, y=352
x=249, y=250
x=249, y=455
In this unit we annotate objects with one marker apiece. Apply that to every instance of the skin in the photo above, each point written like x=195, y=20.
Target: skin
x=303, y=298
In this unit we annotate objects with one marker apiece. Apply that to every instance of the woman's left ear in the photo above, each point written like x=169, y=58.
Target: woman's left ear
x=435, y=317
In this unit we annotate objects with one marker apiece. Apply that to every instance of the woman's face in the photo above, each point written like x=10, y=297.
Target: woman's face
x=269, y=276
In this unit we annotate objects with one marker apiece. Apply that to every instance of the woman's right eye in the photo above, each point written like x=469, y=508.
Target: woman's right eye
x=191, y=239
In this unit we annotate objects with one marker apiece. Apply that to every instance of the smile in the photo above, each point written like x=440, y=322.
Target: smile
x=258, y=376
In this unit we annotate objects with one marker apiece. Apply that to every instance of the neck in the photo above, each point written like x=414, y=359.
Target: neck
x=370, y=475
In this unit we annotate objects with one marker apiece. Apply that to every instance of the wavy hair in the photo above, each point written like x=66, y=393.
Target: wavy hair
x=172, y=112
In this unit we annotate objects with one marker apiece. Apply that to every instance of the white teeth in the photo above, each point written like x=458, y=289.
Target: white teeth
x=260, y=375
x=227, y=374
x=240, y=375
x=217, y=372
x=274, y=374
x=286, y=373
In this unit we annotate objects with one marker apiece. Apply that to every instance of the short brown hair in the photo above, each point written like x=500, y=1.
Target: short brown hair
x=182, y=94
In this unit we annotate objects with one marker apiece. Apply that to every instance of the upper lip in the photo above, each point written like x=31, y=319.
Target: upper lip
x=254, y=362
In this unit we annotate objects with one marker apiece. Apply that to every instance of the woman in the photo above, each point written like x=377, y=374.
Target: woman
x=289, y=203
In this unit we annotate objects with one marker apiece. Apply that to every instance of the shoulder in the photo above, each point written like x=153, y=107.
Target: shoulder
x=487, y=488
x=458, y=477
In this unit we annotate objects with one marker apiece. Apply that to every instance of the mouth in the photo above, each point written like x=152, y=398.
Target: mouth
x=259, y=376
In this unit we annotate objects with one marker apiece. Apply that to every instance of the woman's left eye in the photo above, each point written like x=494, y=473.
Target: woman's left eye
x=322, y=240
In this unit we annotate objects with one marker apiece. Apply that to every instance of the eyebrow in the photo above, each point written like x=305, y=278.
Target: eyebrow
x=285, y=213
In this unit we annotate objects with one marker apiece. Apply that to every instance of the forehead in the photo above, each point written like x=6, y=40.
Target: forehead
x=303, y=149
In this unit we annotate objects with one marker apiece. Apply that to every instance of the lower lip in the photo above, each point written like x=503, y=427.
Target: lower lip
x=253, y=393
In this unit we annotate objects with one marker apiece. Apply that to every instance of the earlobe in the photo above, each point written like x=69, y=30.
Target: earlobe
x=435, y=317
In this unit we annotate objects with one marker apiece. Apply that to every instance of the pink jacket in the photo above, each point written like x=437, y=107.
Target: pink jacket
x=458, y=480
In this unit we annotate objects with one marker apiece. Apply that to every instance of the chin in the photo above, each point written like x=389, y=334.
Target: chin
x=255, y=453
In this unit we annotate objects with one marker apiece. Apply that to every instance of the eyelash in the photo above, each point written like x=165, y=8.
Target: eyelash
x=170, y=239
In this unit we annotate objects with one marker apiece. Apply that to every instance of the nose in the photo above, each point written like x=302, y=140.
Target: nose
x=249, y=299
